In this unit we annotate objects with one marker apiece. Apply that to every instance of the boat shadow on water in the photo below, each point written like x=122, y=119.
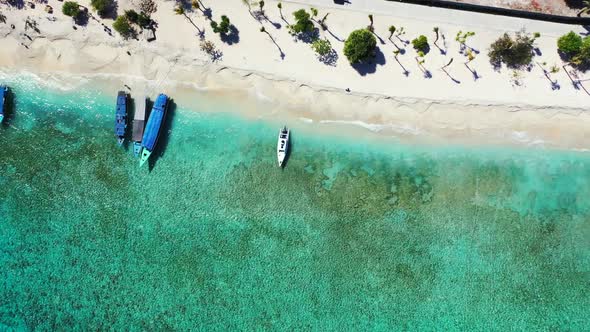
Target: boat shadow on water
x=9, y=108
x=129, y=129
x=166, y=130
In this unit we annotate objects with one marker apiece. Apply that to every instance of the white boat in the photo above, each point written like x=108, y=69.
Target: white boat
x=283, y=145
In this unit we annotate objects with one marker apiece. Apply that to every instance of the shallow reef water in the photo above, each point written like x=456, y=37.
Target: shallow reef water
x=351, y=235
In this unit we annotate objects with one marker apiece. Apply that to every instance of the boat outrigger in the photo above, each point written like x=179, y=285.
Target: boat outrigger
x=138, y=125
x=121, y=117
x=3, y=95
x=283, y=145
x=152, y=128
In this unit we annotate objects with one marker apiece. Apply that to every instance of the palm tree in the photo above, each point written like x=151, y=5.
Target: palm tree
x=314, y=12
x=261, y=5
x=395, y=55
x=262, y=29
x=586, y=8
x=323, y=22
x=470, y=57
x=370, y=27
x=436, y=32
x=247, y=3
x=179, y=10
x=391, y=31
x=280, y=6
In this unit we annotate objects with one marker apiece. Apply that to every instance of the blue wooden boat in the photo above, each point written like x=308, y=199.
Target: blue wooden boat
x=121, y=117
x=3, y=95
x=153, y=127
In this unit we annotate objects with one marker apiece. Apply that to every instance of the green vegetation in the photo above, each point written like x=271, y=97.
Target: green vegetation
x=585, y=9
x=314, y=12
x=102, y=7
x=303, y=23
x=514, y=52
x=359, y=46
x=391, y=31
x=421, y=44
x=179, y=10
x=70, y=8
x=570, y=43
x=321, y=46
x=144, y=20
x=575, y=48
x=132, y=16
x=123, y=27
x=223, y=27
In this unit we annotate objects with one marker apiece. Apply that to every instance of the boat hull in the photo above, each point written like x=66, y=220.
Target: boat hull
x=121, y=117
x=282, y=146
x=136, y=149
x=154, y=126
x=145, y=155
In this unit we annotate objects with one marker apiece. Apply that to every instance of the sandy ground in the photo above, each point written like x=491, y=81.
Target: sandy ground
x=443, y=108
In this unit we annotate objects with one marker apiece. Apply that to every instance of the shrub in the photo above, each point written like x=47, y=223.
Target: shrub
x=144, y=20
x=122, y=26
x=70, y=8
x=303, y=22
x=132, y=16
x=102, y=6
x=321, y=46
x=359, y=46
x=570, y=43
x=421, y=44
x=515, y=53
x=223, y=27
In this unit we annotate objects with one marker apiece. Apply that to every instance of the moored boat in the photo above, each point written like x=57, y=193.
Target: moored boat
x=138, y=125
x=3, y=95
x=121, y=117
x=153, y=127
x=283, y=146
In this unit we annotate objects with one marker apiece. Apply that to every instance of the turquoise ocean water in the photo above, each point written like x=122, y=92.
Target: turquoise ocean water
x=351, y=235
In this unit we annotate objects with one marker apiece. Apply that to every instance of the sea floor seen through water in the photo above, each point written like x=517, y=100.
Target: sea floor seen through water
x=351, y=235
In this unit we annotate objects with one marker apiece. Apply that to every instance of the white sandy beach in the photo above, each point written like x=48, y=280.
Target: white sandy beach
x=490, y=110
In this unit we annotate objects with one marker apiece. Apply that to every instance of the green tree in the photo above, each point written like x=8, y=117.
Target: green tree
x=70, y=8
x=421, y=44
x=391, y=31
x=144, y=20
x=585, y=9
x=179, y=10
x=314, y=12
x=122, y=26
x=321, y=46
x=359, y=46
x=303, y=22
x=223, y=27
x=102, y=6
x=132, y=16
x=514, y=52
x=570, y=43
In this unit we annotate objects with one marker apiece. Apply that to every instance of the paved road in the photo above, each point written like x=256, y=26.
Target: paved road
x=439, y=15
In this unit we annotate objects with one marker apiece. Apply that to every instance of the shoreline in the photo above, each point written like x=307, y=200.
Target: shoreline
x=373, y=125
x=412, y=109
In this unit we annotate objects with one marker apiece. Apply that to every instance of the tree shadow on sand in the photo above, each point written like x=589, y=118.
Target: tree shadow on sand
x=370, y=66
x=164, y=138
x=232, y=37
